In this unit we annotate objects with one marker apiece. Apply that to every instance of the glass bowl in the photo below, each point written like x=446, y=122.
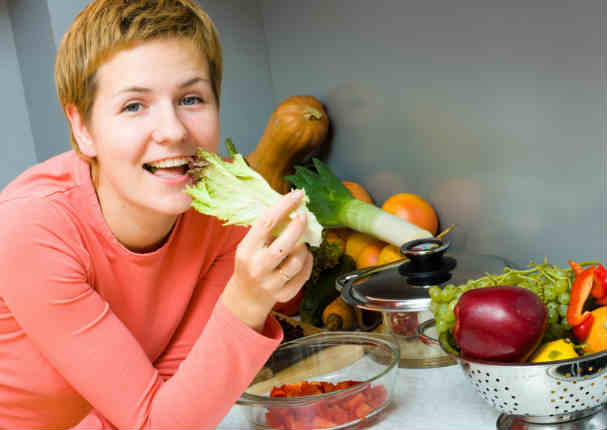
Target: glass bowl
x=318, y=362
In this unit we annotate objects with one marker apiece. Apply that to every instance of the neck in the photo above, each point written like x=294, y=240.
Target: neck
x=137, y=229
x=141, y=233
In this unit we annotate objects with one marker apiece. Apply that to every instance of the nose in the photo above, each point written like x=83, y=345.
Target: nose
x=168, y=127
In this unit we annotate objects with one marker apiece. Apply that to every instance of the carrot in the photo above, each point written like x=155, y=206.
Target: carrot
x=338, y=315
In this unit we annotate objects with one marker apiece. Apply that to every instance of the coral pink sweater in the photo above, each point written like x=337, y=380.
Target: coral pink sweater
x=94, y=335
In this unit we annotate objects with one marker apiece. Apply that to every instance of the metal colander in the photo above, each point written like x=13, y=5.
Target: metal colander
x=541, y=393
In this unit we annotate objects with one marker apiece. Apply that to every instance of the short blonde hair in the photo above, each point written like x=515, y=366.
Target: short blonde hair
x=106, y=27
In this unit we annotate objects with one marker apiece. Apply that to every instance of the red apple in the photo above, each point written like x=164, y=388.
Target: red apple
x=502, y=323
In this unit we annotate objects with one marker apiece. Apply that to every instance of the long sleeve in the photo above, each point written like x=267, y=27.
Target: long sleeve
x=232, y=368
x=93, y=355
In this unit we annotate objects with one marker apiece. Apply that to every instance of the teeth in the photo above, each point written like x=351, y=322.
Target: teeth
x=173, y=162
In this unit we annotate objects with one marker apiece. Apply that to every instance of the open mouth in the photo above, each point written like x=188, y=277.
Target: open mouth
x=172, y=166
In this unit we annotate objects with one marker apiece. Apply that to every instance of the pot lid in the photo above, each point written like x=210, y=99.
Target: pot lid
x=402, y=286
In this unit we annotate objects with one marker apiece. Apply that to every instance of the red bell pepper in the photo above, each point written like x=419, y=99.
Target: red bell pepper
x=581, y=331
x=599, y=286
x=577, y=269
x=580, y=290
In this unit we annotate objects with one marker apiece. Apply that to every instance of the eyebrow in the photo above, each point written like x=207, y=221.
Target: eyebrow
x=137, y=89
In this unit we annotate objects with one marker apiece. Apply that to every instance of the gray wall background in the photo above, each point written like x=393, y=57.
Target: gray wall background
x=493, y=111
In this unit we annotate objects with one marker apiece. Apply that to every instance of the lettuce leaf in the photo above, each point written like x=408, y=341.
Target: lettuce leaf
x=238, y=195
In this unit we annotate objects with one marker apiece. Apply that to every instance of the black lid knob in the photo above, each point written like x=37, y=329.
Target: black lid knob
x=427, y=264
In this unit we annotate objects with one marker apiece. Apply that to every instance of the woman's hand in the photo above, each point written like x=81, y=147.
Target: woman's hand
x=269, y=269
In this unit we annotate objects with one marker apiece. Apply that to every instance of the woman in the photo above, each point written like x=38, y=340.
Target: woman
x=120, y=306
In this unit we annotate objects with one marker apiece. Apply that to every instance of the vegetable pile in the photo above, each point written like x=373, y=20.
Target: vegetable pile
x=325, y=413
x=573, y=298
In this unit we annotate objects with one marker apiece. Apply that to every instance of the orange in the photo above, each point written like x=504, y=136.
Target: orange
x=388, y=254
x=358, y=191
x=414, y=209
x=356, y=242
x=369, y=256
x=597, y=338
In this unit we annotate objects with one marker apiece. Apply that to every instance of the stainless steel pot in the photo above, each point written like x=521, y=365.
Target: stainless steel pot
x=399, y=292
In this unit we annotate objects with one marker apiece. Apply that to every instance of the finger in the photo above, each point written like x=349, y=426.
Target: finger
x=294, y=263
x=287, y=241
x=261, y=230
x=290, y=288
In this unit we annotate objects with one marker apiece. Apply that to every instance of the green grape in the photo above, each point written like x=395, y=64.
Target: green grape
x=565, y=325
x=553, y=315
x=444, y=307
x=434, y=306
x=561, y=286
x=447, y=294
x=549, y=293
x=434, y=292
x=564, y=298
x=452, y=305
x=563, y=311
x=442, y=326
x=447, y=314
x=539, y=291
x=450, y=287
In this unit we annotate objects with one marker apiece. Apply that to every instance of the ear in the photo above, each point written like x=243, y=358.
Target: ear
x=80, y=132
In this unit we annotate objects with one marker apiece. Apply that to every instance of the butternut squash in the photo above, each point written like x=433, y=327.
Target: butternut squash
x=298, y=126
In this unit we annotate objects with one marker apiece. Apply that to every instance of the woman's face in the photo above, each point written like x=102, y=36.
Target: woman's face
x=153, y=109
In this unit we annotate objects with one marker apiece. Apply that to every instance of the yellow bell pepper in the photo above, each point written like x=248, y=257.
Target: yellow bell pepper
x=560, y=349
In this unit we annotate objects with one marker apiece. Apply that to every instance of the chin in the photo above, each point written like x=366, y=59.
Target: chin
x=176, y=206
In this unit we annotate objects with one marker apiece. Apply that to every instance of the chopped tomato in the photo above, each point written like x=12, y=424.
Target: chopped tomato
x=325, y=413
x=323, y=423
x=346, y=384
x=310, y=389
x=337, y=414
x=278, y=392
x=376, y=396
x=363, y=410
x=353, y=402
x=327, y=387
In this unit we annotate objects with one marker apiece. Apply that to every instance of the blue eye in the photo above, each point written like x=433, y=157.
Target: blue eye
x=191, y=100
x=132, y=107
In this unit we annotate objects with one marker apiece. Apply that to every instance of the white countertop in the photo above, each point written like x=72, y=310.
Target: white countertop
x=437, y=398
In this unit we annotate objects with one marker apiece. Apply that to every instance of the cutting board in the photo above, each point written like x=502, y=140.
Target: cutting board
x=325, y=361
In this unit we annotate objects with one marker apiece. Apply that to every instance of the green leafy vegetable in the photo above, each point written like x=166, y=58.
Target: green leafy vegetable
x=334, y=206
x=326, y=256
x=237, y=194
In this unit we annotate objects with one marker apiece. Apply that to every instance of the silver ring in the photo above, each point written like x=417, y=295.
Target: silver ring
x=284, y=275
